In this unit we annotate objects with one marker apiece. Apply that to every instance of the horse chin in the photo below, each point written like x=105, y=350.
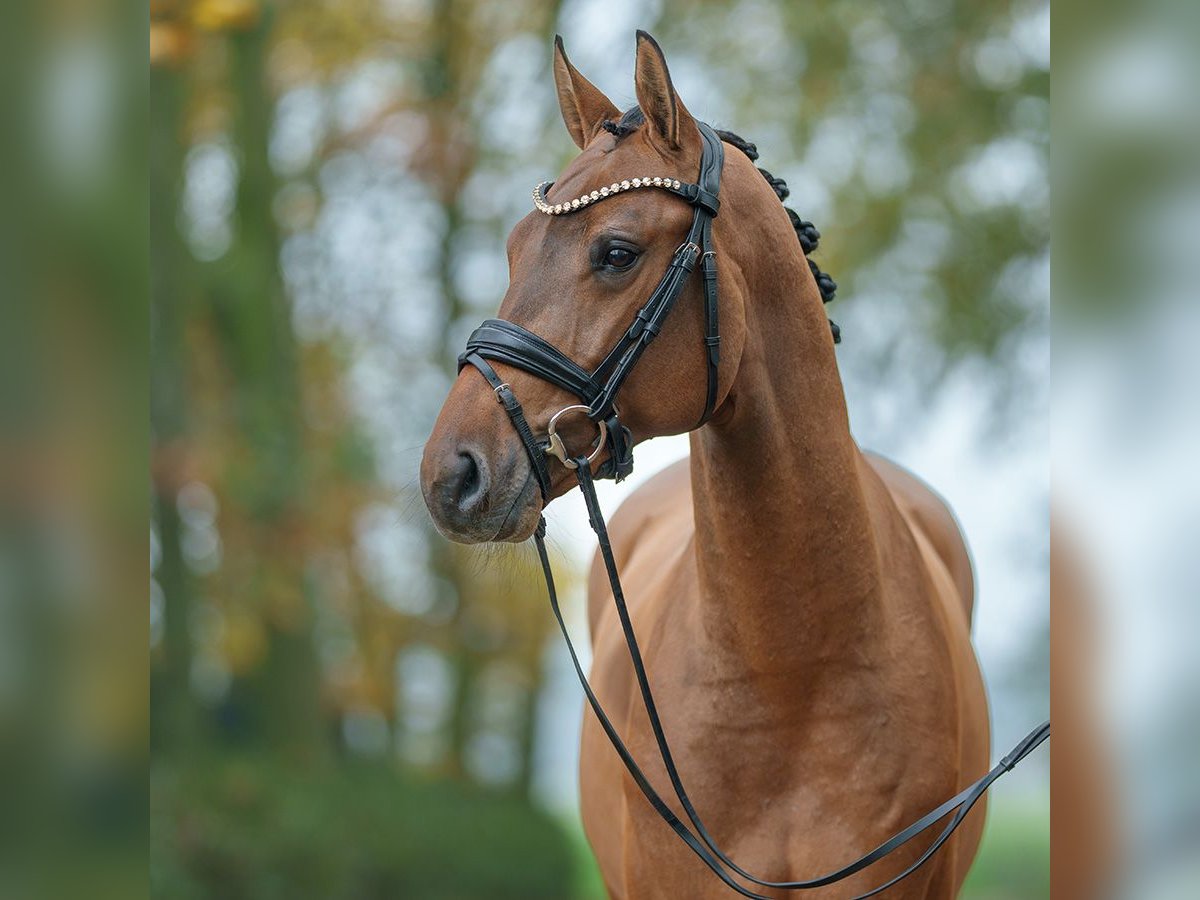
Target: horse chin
x=522, y=519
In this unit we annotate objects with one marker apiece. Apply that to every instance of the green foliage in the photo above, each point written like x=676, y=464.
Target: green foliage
x=1014, y=858
x=589, y=884
x=248, y=827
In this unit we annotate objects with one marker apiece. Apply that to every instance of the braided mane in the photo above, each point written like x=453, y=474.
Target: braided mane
x=806, y=232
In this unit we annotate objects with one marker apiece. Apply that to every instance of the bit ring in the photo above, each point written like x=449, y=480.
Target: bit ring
x=558, y=449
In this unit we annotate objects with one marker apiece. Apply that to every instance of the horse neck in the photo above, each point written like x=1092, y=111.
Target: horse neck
x=785, y=550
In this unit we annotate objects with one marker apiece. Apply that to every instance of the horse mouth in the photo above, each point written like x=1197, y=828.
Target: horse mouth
x=521, y=520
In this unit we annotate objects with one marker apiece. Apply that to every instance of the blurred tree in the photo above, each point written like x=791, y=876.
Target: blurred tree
x=171, y=281
x=254, y=430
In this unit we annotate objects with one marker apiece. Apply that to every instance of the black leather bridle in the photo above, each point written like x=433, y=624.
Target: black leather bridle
x=508, y=343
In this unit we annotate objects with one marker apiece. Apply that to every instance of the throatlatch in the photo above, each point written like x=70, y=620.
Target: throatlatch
x=509, y=343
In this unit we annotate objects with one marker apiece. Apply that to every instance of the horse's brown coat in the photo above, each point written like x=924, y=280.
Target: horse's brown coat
x=804, y=609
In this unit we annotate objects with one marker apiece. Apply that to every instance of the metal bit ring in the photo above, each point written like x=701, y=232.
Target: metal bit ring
x=558, y=449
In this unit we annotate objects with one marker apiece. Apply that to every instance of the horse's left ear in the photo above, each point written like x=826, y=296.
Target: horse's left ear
x=671, y=125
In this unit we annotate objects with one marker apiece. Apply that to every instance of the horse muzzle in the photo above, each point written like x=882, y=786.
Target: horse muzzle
x=476, y=497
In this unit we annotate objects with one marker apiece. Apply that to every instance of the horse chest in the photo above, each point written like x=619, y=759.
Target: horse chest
x=771, y=779
x=767, y=804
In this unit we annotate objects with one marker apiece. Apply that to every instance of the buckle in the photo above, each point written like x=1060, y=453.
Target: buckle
x=686, y=255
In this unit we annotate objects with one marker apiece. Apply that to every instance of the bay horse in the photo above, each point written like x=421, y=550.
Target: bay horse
x=804, y=607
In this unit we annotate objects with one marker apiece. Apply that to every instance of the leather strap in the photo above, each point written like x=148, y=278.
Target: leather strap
x=508, y=342
x=710, y=182
x=712, y=333
x=647, y=325
x=507, y=399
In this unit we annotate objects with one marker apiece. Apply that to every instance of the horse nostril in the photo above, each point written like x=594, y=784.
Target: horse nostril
x=471, y=481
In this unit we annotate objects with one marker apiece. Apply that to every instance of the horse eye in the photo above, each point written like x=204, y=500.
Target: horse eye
x=620, y=258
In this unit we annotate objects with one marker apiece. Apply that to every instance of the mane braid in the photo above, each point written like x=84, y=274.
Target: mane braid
x=806, y=232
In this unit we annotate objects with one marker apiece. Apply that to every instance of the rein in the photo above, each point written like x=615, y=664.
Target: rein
x=509, y=343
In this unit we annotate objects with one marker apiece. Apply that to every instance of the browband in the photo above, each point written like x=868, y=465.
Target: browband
x=692, y=193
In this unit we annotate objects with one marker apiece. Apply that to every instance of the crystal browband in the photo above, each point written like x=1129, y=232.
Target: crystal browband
x=557, y=209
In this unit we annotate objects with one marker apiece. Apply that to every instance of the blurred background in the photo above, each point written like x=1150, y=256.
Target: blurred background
x=342, y=703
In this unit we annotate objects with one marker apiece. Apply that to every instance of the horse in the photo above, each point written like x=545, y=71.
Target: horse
x=804, y=607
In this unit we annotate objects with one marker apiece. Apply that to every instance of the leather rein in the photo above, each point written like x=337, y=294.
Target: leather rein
x=511, y=344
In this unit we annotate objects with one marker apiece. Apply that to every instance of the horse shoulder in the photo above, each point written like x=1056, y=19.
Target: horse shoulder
x=926, y=510
x=666, y=498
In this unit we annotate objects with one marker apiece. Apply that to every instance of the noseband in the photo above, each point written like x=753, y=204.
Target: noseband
x=511, y=344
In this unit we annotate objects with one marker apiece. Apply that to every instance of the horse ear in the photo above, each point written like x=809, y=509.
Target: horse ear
x=671, y=125
x=583, y=104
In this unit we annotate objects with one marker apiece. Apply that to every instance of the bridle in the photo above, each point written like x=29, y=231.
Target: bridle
x=506, y=342
x=509, y=343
